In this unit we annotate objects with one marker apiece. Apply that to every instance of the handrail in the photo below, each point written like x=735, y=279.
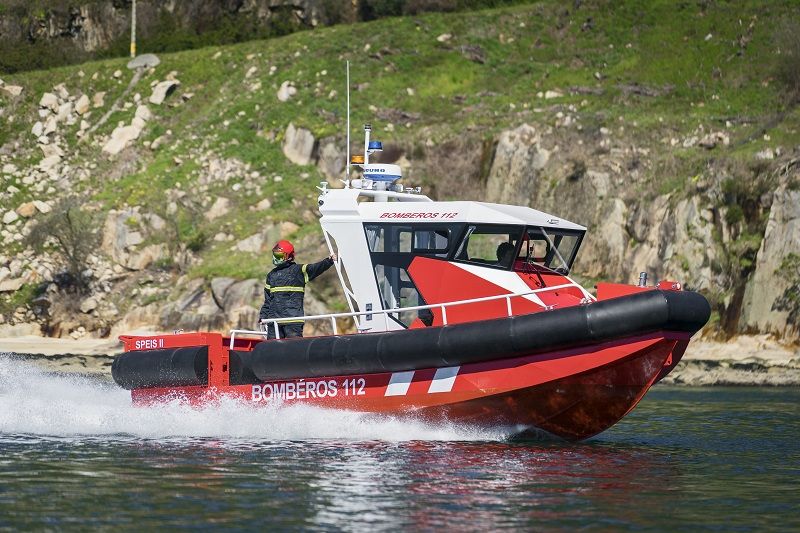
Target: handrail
x=354, y=314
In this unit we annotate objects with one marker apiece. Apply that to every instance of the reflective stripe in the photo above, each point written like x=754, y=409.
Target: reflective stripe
x=282, y=322
x=305, y=274
x=288, y=288
x=267, y=286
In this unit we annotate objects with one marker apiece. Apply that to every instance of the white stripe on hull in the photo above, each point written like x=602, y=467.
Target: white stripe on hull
x=399, y=383
x=443, y=379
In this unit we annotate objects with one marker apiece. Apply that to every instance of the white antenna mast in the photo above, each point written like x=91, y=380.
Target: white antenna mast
x=348, y=125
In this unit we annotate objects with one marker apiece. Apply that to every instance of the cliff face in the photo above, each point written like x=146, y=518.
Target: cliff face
x=687, y=237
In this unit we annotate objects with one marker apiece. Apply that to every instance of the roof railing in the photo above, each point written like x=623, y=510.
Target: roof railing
x=354, y=315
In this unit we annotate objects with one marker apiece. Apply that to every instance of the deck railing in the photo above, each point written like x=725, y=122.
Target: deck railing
x=355, y=314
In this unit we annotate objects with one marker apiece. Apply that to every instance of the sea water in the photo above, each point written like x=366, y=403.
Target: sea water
x=74, y=454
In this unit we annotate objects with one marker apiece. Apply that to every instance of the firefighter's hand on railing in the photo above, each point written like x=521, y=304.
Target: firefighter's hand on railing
x=333, y=257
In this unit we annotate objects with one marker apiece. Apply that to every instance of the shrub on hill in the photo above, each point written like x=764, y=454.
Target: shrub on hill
x=70, y=232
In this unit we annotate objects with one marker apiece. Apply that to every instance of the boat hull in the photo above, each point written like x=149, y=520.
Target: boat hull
x=572, y=394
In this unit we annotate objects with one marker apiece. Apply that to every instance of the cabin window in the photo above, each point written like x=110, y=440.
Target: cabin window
x=392, y=249
x=490, y=245
x=409, y=239
x=431, y=240
x=397, y=290
x=552, y=248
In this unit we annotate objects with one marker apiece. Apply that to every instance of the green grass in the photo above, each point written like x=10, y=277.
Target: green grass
x=20, y=298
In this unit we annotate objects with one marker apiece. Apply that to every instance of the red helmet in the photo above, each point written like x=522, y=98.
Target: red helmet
x=283, y=251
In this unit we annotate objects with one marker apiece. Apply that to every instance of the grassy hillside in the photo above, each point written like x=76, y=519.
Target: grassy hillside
x=649, y=72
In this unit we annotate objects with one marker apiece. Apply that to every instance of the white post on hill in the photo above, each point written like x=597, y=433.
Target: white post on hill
x=133, y=30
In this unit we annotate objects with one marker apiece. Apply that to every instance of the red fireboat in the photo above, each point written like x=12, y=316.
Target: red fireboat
x=463, y=312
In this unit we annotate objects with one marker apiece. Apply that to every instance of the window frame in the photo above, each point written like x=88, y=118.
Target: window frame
x=551, y=233
x=402, y=260
x=466, y=232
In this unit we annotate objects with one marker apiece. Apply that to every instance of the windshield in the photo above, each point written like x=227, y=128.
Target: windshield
x=551, y=248
x=489, y=245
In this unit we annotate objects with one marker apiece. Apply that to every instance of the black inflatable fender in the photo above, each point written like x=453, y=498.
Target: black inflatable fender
x=431, y=347
x=458, y=344
x=161, y=368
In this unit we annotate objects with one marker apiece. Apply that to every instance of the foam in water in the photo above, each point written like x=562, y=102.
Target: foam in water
x=39, y=403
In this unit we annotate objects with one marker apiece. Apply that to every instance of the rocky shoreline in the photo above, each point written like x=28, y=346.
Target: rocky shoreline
x=746, y=360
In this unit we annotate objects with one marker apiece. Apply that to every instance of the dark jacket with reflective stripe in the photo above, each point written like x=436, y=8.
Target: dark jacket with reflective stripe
x=283, y=291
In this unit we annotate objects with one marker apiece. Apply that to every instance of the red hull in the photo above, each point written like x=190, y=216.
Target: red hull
x=572, y=394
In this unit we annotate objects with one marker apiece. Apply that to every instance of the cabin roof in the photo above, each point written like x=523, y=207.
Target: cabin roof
x=461, y=211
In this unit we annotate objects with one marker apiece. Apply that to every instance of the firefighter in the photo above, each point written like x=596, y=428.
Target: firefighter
x=284, y=288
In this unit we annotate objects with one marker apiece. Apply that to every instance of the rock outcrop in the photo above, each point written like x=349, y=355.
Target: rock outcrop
x=162, y=90
x=331, y=161
x=124, y=236
x=299, y=145
x=226, y=304
x=670, y=236
x=518, y=158
x=121, y=137
x=762, y=309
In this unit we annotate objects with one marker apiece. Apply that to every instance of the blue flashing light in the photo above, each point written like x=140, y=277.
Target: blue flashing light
x=375, y=146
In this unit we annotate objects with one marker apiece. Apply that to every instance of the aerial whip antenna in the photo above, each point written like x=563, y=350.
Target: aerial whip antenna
x=348, y=124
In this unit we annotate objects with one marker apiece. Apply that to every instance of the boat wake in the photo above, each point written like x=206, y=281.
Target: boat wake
x=36, y=402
